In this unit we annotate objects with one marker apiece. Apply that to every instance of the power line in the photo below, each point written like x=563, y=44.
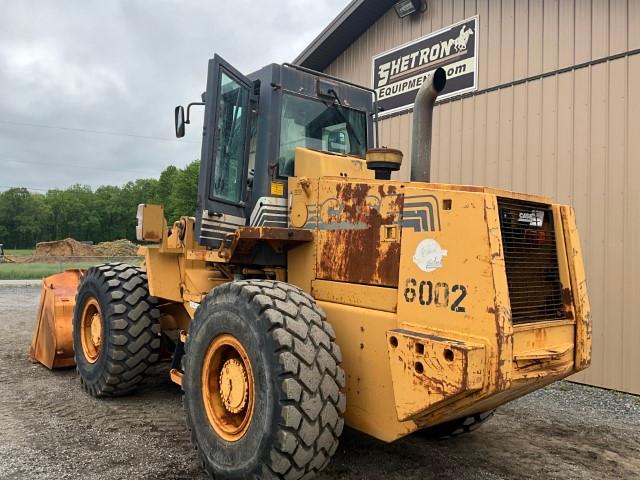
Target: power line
x=97, y=132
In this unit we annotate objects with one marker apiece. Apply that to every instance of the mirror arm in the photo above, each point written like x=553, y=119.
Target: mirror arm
x=189, y=110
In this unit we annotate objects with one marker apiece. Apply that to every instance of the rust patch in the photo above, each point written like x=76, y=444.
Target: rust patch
x=388, y=265
x=353, y=250
x=567, y=301
x=502, y=383
x=152, y=235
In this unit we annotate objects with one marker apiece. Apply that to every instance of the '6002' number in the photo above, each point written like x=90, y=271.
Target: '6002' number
x=439, y=294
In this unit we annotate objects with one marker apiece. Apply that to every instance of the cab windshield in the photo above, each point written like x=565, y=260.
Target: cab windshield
x=310, y=123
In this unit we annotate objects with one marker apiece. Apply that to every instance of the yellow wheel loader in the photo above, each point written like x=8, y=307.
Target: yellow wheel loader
x=311, y=290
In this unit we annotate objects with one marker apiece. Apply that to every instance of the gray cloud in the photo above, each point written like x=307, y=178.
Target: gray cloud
x=121, y=66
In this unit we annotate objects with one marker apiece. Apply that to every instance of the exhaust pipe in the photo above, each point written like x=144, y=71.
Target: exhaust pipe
x=422, y=125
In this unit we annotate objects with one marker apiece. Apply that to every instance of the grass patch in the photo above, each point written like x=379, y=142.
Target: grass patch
x=31, y=271
x=27, y=251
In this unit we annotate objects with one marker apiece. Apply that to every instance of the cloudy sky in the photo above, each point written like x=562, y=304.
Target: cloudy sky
x=69, y=69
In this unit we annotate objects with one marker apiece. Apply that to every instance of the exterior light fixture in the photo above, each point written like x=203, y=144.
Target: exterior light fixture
x=404, y=8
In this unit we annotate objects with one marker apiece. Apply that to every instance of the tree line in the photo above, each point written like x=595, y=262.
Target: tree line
x=104, y=214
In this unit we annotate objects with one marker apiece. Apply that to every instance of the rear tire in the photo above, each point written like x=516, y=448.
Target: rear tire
x=113, y=357
x=455, y=428
x=292, y=364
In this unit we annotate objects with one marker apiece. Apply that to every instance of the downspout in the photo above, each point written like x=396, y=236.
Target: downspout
x=422, y=125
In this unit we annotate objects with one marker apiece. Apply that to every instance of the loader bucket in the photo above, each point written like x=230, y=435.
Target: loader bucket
x=52, y=343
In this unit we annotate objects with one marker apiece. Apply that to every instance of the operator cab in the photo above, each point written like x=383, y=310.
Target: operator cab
x=252, y=126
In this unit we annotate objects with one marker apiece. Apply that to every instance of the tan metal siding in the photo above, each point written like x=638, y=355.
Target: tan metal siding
x=573, y=136
x=631, y=276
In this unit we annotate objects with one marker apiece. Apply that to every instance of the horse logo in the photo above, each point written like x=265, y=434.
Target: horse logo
x=460, y=43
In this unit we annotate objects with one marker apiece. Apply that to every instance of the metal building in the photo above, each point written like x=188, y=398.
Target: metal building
x=546, y=100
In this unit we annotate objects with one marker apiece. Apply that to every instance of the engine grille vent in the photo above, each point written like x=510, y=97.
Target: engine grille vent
x=533, y=275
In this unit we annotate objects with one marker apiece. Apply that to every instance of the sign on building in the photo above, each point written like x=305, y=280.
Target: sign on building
x=399, y=73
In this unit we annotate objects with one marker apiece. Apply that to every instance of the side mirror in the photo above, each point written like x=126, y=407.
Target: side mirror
x=179, y=120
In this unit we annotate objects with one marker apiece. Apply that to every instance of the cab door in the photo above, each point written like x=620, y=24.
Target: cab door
x=222, y=185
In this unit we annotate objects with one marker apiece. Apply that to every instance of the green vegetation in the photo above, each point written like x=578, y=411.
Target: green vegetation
x=104, y=214
x=19, y=251
x=30, y=271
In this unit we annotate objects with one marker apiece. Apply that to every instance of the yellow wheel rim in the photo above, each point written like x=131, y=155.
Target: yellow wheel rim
x=91, y=330
x=228, y=388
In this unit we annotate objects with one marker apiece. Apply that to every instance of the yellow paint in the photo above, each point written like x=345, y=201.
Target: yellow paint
x=412, y=277
x=52, y=342
x=314, y=164
x=428, y=370
x=541, y=348
x=578, y=288
x=176, y=376
x=161, y=266
x=385, y=155
x=302, y=265
x=151, y=223
x=362, y=336
x=277, y=188
x=368, y=296
x=498, y=362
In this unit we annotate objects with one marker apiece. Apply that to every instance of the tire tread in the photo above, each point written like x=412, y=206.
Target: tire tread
x=311, y=398
x=134, y=342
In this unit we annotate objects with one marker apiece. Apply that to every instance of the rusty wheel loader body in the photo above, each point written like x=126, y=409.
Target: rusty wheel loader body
x=441, y=301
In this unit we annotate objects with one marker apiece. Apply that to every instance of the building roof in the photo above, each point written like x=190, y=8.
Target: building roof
x=350, y=23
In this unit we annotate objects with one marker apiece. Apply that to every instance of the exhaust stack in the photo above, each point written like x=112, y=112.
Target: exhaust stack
x=422, y=125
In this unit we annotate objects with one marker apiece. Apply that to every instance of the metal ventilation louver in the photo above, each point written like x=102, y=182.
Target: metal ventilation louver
x=533, y=275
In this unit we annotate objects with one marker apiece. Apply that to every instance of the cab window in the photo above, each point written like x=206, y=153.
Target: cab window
x=311, y=123
x=232, y=114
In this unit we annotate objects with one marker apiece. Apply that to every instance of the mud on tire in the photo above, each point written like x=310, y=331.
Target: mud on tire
x=130, y=329
x=297, y=414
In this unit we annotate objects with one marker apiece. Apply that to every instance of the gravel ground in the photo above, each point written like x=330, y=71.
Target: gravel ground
x=51, y=429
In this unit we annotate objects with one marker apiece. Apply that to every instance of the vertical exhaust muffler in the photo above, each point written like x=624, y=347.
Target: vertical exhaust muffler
x=423, y=125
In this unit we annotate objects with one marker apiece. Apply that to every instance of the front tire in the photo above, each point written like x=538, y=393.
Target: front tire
x=115, y=329
x=262, y=383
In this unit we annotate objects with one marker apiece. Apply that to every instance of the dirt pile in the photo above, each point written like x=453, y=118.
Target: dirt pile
x=64, y=248
x=73, y=248
x=117, y=248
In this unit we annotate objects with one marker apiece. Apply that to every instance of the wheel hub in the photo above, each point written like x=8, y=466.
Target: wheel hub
x=234, y=390
x=91, y=330
x=96, y=330
x=228, y=388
